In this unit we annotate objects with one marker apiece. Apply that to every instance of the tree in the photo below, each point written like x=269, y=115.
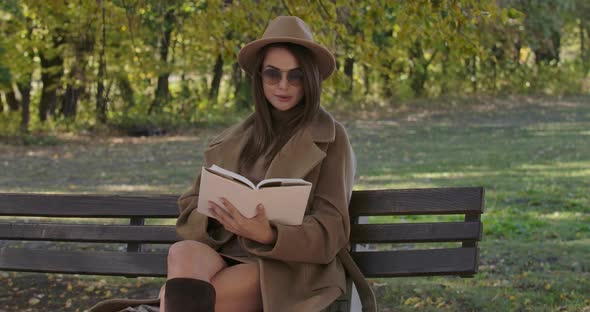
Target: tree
x=101, y=97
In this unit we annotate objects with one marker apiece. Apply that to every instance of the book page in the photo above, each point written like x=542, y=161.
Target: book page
x=284, y=203
x=281, y=182
x=214, y=186
x=231, y=175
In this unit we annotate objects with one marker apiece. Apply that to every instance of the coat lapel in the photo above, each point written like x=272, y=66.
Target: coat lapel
x=295, y=160
x=299, y=155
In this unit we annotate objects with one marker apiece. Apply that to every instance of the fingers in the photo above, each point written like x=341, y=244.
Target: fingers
x=260, y=212
x=222, y=216
x=232, y=209
x=256, y=228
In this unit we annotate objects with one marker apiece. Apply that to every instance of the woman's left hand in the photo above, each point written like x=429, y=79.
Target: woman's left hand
x=256, y=228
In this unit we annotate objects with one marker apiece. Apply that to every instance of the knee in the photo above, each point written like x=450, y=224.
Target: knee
x=187, y=249
x=193, y=259
x=183, y=248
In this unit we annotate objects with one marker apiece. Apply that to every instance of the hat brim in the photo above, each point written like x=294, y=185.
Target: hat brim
x=325, y=59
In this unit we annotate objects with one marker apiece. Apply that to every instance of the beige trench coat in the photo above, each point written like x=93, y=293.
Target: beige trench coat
x=305, y=269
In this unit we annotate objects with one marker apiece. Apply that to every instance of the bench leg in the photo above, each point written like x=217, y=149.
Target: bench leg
x=355, y=300
x=349, y=302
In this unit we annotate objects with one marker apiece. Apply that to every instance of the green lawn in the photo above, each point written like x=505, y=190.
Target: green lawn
x=531, y=155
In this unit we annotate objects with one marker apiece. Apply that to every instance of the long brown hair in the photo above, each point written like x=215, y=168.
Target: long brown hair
x=266, y=139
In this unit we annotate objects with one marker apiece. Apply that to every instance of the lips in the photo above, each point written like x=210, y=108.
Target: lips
x=283, y=98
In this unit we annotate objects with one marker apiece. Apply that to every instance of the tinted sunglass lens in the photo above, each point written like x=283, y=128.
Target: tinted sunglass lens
x=271, y=76
x=295, y=76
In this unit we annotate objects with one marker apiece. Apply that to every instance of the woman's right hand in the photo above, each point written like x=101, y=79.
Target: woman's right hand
x=257, y=228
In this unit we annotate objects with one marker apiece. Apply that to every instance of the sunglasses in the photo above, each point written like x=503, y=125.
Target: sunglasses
x=272, y=76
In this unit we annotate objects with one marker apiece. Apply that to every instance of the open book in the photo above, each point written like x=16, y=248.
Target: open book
x=284, y=200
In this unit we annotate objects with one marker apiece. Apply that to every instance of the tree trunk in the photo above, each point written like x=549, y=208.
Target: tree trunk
x=25, y=91
x=126, y=90
x=75, y=89
x=583, y=54
x=101, y=101
x=1, y=103
x=386, y=85
x=549, y=50
x=444, y=88
x=474, y=73
x=70, y=101
x=12, y=101
x=582, y=43
x=51, y=73
x=418, y=72
x=73, y=92
x=349, y=72
x=217, y=74
x=162, y=95
x=242, y=92
x=367, y=81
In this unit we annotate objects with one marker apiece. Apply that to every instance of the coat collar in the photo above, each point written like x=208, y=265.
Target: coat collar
x=295, y=160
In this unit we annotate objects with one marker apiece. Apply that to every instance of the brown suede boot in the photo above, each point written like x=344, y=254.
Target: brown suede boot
x=189, y=295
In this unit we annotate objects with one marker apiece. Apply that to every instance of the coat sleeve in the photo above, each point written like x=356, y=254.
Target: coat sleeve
x=193, y=225
x=325, y=230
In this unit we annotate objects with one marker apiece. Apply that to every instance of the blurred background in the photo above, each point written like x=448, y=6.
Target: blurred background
x=122, y=96
x=76, y=65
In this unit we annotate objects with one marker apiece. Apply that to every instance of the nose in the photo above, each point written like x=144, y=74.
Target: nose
x=284, y=83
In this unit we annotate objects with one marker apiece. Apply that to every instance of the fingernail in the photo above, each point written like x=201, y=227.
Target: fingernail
x=222, y=199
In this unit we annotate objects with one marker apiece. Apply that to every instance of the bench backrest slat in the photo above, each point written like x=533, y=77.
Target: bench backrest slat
x=154, y=234
x=448, y=261
x=444, y=261
x=83, y=262
x=360, y=233
x=98, y=206
x=416, y=232
x=459, y=200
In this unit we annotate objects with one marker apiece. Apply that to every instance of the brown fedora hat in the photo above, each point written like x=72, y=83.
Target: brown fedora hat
x=288, y=29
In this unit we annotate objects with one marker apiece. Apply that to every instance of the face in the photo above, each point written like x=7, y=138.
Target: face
x=285, y=93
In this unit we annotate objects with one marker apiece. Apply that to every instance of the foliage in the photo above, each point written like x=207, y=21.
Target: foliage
x=179, y=57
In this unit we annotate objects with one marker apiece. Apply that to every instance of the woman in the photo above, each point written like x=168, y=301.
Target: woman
x=230, y=263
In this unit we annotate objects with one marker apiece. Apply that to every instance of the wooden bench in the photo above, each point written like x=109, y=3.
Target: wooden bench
x=134, y=260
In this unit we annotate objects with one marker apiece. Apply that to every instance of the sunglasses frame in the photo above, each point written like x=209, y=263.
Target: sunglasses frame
x=286, y=76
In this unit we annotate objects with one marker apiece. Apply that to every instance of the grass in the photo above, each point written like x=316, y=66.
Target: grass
x=531, y=154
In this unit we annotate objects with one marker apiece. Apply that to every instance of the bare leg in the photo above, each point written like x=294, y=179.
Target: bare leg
x=194, y=260
x=237, y=287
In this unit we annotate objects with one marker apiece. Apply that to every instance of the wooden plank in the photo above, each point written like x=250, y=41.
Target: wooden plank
x=473, y=218
x=450, y=261
x=135, y=247
x=89, y=233
x=426, y=201
x=415, y=232
x=444, y=261
x=98, y=206
x=83, y=262
x=367, y=202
